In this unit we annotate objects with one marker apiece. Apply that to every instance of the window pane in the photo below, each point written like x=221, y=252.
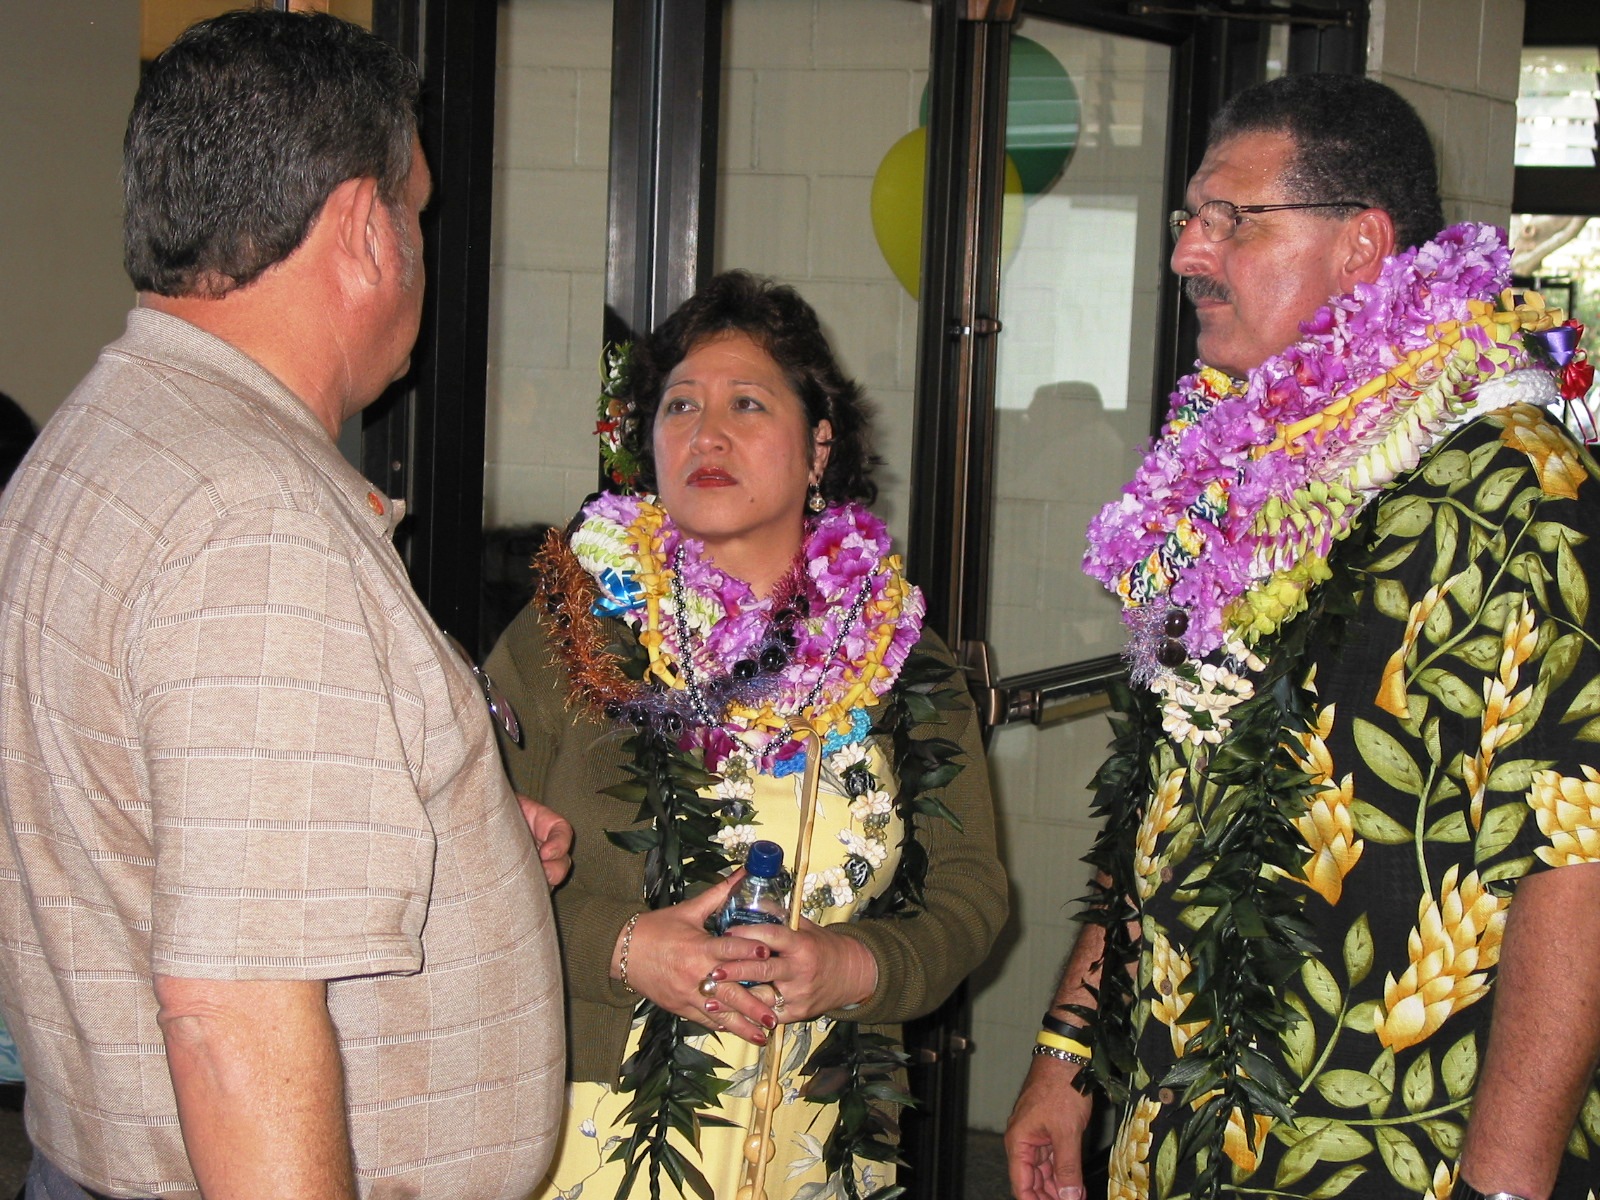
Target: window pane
x=815, y=95
x=547, y=297
x=1556, y=106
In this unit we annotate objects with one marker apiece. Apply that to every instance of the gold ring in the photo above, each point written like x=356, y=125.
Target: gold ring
x=778, y=1000
x=708, y=986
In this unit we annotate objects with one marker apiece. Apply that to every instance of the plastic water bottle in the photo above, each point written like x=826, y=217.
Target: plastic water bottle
x=757, y=900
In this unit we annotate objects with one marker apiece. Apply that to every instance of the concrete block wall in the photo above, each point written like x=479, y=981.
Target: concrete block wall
x=548, y=253
x=814, y=93
x=1457, y=61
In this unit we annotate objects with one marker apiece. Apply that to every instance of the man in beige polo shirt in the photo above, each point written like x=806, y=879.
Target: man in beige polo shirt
x=271, y=922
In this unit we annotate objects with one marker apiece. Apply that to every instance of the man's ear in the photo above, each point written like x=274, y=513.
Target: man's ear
x=355, y=221
x=1369, y=240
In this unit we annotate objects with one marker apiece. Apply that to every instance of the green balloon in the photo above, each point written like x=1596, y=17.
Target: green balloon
x=1041, y=115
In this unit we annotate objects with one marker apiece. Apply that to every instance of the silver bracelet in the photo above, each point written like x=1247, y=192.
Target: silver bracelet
x=1064, y=1055
x=627, y=944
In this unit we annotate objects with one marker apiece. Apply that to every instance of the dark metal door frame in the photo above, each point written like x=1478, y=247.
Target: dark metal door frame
x=666, y=80
x=424, y=441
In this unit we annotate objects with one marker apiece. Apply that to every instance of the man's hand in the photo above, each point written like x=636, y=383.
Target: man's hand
x=1044, y=1137
x=552, y=833
x=255, y=1066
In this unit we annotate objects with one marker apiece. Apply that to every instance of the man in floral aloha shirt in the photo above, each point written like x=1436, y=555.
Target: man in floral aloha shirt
x=1427, y=1008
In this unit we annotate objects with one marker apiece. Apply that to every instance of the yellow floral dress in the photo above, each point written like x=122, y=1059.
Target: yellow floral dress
x=1450, y=752
x=866, y=828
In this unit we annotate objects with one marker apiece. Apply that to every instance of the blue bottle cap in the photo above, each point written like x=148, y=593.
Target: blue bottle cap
x=764, y=860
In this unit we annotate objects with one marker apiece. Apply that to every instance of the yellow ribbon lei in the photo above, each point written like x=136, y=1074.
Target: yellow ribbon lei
x=835, y=715
x=654, y=576
x=1520, y=311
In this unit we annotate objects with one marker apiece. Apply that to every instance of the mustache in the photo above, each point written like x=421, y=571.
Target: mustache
x=1203, y=287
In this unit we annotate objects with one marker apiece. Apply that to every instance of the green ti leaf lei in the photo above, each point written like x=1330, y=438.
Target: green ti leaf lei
x=674, y=1086
x=1256, y=937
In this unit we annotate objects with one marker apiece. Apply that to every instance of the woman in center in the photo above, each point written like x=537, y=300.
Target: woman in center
x=681, y=641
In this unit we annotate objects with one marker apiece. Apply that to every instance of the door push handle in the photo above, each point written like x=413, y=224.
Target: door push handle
x=980, y=327
x=955, y=1044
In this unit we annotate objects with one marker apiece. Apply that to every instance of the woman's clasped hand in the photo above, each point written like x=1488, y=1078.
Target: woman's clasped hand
x=816, y=969
x=671, y=956
x=794, y=975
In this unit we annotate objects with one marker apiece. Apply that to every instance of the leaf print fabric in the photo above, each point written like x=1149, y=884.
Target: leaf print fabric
x=1450, y=751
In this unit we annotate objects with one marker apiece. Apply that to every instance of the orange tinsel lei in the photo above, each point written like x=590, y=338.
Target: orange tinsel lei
x=578, y=638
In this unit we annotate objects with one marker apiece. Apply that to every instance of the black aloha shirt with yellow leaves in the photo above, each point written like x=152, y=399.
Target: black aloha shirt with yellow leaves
x=1456, y=725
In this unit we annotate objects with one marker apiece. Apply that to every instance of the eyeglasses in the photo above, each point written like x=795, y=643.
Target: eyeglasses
x=499, y=707
x=1219, y=219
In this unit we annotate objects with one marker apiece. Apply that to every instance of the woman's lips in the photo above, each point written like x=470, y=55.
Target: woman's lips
x=710, y=477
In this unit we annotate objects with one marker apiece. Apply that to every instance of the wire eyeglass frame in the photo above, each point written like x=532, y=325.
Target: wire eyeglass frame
x=1219, y=219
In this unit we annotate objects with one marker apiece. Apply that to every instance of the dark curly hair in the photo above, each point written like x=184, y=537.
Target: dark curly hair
x=774, y=317
x=1355, y=139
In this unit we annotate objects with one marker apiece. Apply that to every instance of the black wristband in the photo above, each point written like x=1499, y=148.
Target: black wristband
x=1058, y=1026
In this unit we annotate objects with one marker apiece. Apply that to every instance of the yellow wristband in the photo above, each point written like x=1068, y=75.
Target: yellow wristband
x=1056, y=1041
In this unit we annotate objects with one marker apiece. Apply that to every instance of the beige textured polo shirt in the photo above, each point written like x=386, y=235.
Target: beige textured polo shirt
x=233, y=745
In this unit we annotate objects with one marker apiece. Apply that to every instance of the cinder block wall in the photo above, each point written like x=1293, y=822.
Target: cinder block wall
x=814, y=94
x=1457, y=61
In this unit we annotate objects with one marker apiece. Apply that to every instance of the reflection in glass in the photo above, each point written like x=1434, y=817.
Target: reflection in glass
x=548, y=259
x=815, y=95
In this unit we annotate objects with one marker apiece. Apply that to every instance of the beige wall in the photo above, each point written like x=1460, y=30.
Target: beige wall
x=1457, y=61
x=814, y=93
x=68, y=70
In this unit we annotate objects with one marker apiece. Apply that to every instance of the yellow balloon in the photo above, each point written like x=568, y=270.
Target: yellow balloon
x=897, y=209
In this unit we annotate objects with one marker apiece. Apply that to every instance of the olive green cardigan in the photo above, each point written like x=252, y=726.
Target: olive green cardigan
x=568, y=756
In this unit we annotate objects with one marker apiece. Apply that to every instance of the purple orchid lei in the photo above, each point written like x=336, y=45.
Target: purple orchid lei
x=832, y=607
x=1226, y=522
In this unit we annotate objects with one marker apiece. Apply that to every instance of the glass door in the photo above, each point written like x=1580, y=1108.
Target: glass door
x=1082, y=285
x=1066, y=336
